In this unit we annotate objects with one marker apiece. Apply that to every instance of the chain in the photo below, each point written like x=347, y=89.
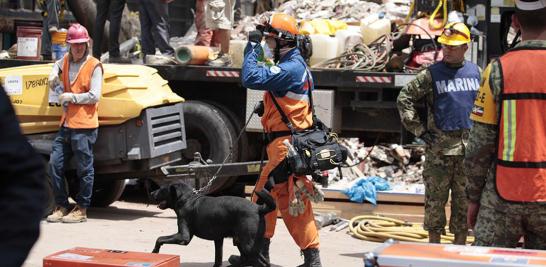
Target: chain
x=205, y=189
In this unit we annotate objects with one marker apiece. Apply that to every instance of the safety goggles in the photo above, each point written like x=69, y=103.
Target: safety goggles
x=269, y=31
x=448, y=32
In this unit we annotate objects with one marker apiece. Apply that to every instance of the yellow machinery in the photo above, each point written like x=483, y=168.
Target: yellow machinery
x=141, y=122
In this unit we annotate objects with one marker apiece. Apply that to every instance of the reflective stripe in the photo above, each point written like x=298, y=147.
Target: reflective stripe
x=298, y=97
x=509, y=121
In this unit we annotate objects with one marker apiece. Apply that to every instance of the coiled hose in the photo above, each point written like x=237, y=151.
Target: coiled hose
x=373, y=57
x=379, y=229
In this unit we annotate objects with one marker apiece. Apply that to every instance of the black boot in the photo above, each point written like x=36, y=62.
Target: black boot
x=311, y=258
x=263, y=257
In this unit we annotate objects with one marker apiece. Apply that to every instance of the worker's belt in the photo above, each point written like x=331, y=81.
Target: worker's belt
x=269, y=137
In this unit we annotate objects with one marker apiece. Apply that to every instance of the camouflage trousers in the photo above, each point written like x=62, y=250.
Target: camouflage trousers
x=442, y=174
x=502, y=224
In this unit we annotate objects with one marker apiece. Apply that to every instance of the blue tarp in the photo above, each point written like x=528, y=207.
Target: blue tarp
x=366, y=189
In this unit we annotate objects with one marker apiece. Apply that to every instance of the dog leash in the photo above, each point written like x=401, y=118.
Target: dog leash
x=205, y=189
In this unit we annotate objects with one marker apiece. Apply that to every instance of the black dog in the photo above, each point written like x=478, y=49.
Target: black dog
x=214, y=218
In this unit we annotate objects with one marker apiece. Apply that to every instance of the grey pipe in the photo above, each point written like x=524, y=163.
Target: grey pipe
x=123, y=48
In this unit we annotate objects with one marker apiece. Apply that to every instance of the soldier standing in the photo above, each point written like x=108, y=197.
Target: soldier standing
x=449, y=88
x=506, y=156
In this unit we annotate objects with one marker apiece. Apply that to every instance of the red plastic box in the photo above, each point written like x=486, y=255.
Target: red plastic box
x=91, y=257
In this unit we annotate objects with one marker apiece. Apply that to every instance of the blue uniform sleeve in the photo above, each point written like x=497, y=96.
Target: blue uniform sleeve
x=262, y=77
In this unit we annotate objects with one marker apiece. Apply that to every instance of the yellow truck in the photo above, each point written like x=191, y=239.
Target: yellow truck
x=141, y=123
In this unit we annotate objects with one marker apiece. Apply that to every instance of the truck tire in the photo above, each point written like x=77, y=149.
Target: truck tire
x=50, y=195
x=210, y=130
x=105, y=191
x=237, y=126
x=211, y=133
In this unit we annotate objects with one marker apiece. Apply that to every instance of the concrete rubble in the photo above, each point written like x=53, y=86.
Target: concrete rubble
x=401, y=166
x=351, y=11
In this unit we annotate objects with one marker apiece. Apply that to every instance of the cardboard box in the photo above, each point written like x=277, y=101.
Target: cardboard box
x=90, y=257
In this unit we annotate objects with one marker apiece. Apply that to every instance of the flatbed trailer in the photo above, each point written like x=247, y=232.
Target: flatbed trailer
x=353, y=103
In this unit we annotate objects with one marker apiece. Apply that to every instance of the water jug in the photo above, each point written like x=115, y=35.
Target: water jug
x=236, y=50
x=347, y=39
x=373, y=27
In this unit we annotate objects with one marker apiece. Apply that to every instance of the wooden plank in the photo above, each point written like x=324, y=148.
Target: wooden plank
x=330, y=194
x=340, y=205
x=381, y=196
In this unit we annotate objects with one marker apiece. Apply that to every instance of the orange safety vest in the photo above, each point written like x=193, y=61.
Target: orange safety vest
x=521, y=151
x=296, y=107
x=80, y=116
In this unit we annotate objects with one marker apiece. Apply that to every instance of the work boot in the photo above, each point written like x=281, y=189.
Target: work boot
x=223, y=60
x=235, y=260
x=77, y=215
x=311, y=258
x=434, y=237
x=460, y=239
x=57, y=215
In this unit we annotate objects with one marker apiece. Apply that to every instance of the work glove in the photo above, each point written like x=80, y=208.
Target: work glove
x=429, y=138
x=66, y=98
x=296, y=207
x=255, y=36
x=53, y=81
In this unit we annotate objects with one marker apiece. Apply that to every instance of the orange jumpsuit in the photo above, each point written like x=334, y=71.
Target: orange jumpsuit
x=289, y=81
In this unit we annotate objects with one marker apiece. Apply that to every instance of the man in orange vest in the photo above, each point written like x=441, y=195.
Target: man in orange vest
x=506, y=156
x=82, y=79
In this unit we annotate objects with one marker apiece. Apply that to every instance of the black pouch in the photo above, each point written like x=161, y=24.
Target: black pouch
x=318, y=148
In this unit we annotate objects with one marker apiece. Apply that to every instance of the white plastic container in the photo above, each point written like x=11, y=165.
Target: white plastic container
x=236, y=51
x=373, y=27
x=324, y=47
x=347, y=39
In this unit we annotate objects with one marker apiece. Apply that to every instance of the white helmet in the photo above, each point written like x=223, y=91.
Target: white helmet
x=530, y=4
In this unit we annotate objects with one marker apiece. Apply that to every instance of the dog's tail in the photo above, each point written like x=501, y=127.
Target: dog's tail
x=265, y=201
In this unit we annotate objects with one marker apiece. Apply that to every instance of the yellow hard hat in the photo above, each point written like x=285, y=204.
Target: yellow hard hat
x=455, y=33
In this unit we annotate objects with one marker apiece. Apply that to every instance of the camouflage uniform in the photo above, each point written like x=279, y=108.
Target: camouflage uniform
x=443, y=165
x=499, y=223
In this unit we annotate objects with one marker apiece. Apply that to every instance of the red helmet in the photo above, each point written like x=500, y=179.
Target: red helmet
x=77, y=34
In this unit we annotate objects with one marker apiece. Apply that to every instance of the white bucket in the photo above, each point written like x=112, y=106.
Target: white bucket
x=324, y=47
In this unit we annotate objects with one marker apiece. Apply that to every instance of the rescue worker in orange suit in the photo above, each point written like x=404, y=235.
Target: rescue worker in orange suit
x=82, y=79
x=288, y=81
x=506, y=156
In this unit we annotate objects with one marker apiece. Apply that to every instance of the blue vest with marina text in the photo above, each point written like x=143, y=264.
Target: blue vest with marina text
x=454, y=92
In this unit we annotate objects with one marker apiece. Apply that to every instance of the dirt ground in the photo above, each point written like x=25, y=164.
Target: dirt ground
x=134, y=226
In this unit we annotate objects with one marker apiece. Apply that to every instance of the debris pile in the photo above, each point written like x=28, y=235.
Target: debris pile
x=345, y=10
x=352, y=11
x=401, y=166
